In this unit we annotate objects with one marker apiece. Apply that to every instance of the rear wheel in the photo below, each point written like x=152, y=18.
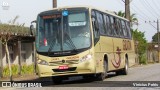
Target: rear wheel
x=103, y=75
x=125, y=69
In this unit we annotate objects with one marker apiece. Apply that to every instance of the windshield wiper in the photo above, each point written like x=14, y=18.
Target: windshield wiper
x=71, y=42
x=51, y=45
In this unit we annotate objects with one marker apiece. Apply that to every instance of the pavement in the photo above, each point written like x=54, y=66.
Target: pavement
x=21, y=78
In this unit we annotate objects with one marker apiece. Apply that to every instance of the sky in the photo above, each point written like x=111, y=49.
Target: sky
x=27, y=10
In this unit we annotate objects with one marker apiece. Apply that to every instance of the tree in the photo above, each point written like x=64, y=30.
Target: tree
x=155, y=37
x=121, y=14
x=142, y=45
x=133, y=18
x=9, y=32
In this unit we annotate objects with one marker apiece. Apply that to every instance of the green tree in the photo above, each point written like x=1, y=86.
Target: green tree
x=142, y=44
x=121, y=14
x=155, y=37
x=133, y=18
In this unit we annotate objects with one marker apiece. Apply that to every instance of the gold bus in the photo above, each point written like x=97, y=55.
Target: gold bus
x=82, y=41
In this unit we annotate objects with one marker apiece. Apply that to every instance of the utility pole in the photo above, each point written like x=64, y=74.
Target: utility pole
x=158, y=38
x=54, y=3
x=127, y=9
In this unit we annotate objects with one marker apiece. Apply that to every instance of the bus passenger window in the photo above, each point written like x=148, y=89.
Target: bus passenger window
x=95, y=27
x=128, y=30
x=124, y=28
x=114, y=26
x=120, y=28
x=106, y=24
x=100, y=22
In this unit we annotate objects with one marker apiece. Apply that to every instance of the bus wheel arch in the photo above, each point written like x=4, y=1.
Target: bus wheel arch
x=101, y=76
x=106, y=60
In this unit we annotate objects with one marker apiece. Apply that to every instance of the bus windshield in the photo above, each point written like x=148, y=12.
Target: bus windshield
x=59, y=31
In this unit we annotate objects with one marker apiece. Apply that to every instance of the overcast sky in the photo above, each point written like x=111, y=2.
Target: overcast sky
x=27, y=10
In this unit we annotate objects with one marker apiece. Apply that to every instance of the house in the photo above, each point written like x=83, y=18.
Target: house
x=20, y=46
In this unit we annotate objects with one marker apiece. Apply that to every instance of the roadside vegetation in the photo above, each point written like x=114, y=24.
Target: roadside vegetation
x=26, y=70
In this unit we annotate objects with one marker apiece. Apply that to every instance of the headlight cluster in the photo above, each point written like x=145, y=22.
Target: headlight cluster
x=85, y=58
x=43, y=62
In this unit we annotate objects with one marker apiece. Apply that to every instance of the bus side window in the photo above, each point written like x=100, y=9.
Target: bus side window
x=116, y=27
x=120, y=28
x=100, y=23
x=106, y=24
x=128, y=30
x=112, y=26
x=95, y=27
x=124, y=28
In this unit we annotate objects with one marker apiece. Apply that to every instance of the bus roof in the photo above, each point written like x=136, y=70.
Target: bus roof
x=89, y=7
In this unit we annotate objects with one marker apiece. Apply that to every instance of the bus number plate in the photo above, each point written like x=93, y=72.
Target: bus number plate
x=63, y=67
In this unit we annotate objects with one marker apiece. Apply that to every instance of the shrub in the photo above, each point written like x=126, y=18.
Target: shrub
x=143, y=59
x=26, y=69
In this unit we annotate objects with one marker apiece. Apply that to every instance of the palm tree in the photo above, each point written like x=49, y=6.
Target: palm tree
x=133, y=18
x=121, y=14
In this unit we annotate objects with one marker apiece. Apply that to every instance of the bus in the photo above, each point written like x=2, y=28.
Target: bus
x=73, y=41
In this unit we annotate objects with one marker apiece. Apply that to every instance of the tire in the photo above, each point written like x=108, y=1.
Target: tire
x=56, y=80
x=103, y=75
x=125, y=69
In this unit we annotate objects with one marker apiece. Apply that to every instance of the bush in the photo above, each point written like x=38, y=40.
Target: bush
x=26, y=69
x=143, y=59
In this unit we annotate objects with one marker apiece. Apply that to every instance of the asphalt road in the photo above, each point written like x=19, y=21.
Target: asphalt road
x=146, y=77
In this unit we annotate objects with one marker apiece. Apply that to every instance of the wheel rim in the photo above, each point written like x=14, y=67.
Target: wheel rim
x=126, y=67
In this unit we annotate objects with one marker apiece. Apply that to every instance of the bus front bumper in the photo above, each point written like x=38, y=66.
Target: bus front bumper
x=73, y=69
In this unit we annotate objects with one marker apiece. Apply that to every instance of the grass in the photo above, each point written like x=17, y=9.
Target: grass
x=26, y=69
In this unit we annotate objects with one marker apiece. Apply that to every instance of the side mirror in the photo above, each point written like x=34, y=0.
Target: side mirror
x=32, y=29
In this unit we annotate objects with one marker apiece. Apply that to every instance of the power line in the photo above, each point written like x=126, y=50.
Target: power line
x=151, y=7
x=155, y=5
x=148, y=9
x=142, y=12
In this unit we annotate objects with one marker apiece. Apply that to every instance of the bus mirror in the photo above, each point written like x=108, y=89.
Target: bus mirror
x=32, y=29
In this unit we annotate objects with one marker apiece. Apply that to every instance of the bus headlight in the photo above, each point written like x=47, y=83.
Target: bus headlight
x=85, y=58
x=43, y=62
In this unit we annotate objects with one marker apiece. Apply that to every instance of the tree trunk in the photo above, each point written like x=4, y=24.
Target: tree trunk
x=9, y=63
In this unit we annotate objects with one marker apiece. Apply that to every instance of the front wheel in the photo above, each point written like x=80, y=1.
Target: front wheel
x=103, y=75
x=56, y=80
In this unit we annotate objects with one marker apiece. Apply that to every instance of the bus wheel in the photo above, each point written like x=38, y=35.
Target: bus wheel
x=125, y=69
x=103, y=75
x=56, y=80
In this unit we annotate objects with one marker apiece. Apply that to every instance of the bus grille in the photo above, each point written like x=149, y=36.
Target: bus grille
x=65, y=70
x=56, y=63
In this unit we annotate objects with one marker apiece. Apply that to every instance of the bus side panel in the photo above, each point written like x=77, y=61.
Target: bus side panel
x=107, y=48
x=119, y=53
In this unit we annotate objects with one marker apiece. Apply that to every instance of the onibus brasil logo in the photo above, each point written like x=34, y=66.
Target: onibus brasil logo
x=5, y=5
